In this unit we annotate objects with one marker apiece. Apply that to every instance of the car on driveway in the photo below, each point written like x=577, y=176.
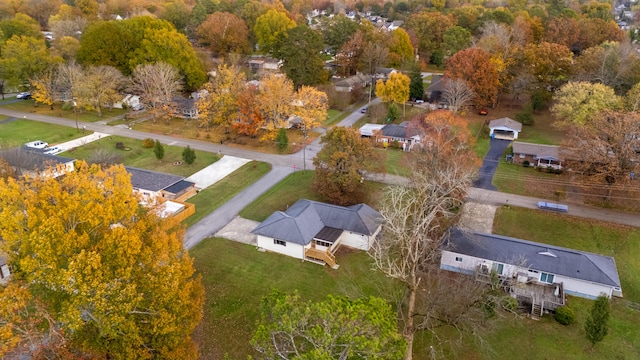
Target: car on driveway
x=24, y=95
x=38, y=144
x=52, y=150
x=363, y=110
x=483, y=112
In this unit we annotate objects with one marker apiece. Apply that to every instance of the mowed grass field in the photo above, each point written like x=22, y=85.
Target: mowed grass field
x=15, y=133
x=547, y=339
x=214, y=196
x=82, y=116
x=145, y=158
x=236, y=277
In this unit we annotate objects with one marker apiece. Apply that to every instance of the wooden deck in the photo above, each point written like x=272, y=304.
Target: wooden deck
x=541, y=296
x=325, y=256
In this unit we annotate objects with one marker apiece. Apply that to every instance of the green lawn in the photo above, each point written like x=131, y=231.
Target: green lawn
x=217, y=194
x=294, y=187
x=527, y=181
x=16, y=133
x=542, y=131
x=481, y=133
x=285, y=193
x=236, y=277
x=547, y=339
x=144, y=158
x=88, y=116
x=335, y=116
x=621, y=242
x=394, y=161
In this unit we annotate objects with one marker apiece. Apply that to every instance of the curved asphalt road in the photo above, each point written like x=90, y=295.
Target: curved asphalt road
x=490, y=164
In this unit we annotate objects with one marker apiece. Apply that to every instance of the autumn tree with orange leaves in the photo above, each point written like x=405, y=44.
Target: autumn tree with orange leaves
x=474, y=66
x=249, y=118
x=107, y=276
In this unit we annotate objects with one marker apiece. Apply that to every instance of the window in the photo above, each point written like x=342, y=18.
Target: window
x=522, y=156
x=498, y=268
x=546, y=278
x=323, y=243
x=279, y=242
x=458, y=259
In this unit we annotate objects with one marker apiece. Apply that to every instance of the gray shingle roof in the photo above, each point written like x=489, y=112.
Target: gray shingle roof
x=403, y=130
x=151, y=180
x=306, y=218
x=179, y=186
x=29, y=160
x=537, y=256
x=538, y=150
x=507, y=122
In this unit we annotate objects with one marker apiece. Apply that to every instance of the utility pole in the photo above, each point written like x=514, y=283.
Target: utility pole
x=75, y=112
x=304, y=149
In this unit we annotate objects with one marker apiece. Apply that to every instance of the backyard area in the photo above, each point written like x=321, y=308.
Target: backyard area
x=136, y=155
x=30, y=107
x=16, y=132
x=241, y=276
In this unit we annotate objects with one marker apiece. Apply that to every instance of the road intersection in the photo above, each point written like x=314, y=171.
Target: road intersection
x=283, y=165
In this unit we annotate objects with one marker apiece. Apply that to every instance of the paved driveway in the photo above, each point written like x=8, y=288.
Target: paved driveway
x=490, y=164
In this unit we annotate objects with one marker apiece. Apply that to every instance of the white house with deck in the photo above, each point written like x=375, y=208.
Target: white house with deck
x=311, y=230
x=535, y=273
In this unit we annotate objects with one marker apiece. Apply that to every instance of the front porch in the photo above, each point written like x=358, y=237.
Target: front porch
x=548, y=162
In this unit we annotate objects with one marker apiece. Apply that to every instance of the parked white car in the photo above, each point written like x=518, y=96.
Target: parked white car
x=53, y=150
x=38, y=144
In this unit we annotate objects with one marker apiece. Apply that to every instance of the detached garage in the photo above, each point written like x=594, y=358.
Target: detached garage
x=504, y=128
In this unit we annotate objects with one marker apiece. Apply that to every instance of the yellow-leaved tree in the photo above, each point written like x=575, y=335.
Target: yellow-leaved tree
x=113, y=276
x=43, y=87
x=395, y=89
x=220, y=105
x=311, y=106
x=275, y=102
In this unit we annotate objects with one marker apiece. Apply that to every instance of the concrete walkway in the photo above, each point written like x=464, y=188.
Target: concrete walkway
x=217, y=171
x=222, y=216
x=81, y=141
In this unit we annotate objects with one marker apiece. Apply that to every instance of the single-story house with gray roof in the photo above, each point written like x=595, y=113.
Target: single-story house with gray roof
x=33, y=162
x=504, y=128
x=540, y=272
x=352, y=82
x=537, y=154
x=152, y=185
x=311, y=230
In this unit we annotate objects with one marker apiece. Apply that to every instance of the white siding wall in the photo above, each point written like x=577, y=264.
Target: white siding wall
x=355, y=240
x=469, y=264
x=571, y=286
x=291, y=249
x=582, y=288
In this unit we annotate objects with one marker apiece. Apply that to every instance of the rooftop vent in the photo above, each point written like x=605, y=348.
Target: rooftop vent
x=547, y=253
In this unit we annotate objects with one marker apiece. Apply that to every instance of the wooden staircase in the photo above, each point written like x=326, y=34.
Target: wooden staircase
x=325, y=256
